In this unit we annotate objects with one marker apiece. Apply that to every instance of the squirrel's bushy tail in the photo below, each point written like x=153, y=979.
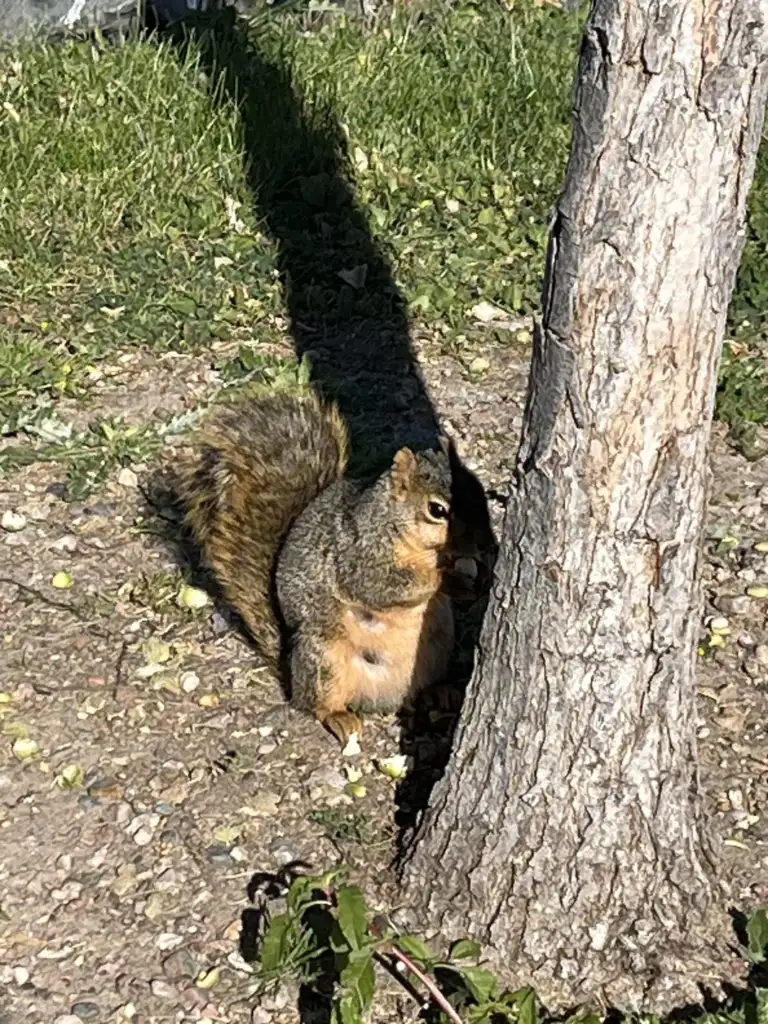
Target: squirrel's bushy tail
x=259, y=465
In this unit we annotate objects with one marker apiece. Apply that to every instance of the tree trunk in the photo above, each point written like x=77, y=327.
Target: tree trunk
x=567, y=832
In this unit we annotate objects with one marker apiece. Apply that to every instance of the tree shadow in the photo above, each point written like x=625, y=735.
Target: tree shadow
x=345, y=310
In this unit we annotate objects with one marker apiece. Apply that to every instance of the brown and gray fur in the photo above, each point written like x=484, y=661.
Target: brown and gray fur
x=354, y=573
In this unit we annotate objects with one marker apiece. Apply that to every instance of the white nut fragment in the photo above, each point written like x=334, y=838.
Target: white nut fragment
x=352, y=749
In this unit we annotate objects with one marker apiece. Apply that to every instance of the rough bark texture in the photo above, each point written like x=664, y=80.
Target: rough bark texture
x=566, y=833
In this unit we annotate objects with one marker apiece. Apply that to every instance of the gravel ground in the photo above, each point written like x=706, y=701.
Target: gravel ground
x=165, y=769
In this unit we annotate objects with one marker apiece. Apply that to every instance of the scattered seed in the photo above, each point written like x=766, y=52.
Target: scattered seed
x=352, y=749
x=208, y=979
x=396, y=767
x=62, y=581
x=192, y=598
x=23, y=748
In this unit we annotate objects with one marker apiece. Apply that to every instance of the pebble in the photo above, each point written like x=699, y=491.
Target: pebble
x=127, y=478
x=761, y=655
x=68, y=892
x=189, y=681
x=67, y=1018
x=733, y=604
x=142, y=836
x=168, y=940
x=106, y=788
x=12, y=521
x=86, y=1010
x=20, y=975
x=327, y=776
x=125, y=881
x=284, y=851
x=219, y=855
x=155, y=907
x=263, y=804
x=162, y=989
x=181, y=964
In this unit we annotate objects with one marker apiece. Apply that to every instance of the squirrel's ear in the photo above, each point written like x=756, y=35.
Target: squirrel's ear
x=404, y=465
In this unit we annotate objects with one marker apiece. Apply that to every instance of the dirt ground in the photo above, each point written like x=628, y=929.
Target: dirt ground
x=168, y=769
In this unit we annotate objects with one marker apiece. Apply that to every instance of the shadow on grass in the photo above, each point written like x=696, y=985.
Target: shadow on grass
x=345, y=310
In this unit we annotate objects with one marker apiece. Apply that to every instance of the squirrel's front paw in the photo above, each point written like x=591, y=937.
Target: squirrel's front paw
x=341, y=724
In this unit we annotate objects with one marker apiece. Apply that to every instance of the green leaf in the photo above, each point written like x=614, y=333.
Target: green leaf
x=300, y=892
x=481, y=983
x=757, y=935
x=358, y=983
x=415, y=948
x=273, y=947
x=352, y=915
x=465, y=948
x=526, y=1001
x=182, y=304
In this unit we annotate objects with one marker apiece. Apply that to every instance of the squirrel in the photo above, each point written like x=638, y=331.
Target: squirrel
x=345, y=587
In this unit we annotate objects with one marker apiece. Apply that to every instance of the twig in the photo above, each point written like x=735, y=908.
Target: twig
x=424, y=978
x=427, y=982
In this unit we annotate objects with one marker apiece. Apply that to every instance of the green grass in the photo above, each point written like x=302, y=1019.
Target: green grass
x=163, y=195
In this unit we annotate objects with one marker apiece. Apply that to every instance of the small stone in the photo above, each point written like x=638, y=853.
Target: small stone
x=762, y=546
x=479, y=365
x=67, y=1018
x=236, y=962
x=168, y=940
x=181, y=964
x=758, y=592
x=327, y=776
x=67, y=893
x=189, y=681
x=761, y=655
x=142, y=836
x=12, y=521
x=736, y=799
x=284, y=851
x=719, y=624
x=66, y=543
x=219, y=855
x=162, y=989
x=262, y=805
x=126, y=880
x=154, y=908
x=20, y=976
x=86, y=1010
x=127, y=478
x=126, y=1012
x=266, y=748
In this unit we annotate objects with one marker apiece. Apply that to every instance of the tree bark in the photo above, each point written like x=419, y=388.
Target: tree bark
x=567, y=833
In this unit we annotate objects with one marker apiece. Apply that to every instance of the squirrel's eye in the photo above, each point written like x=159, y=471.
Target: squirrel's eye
x=437, y=510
